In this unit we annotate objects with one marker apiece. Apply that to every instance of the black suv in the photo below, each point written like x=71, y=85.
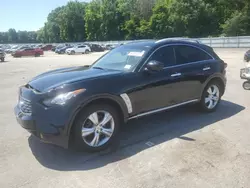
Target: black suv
x=85, y=106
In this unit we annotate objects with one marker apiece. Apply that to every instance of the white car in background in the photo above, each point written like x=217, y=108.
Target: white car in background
x=83, y=49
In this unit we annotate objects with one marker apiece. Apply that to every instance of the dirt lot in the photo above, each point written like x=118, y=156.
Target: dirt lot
x=179, y=148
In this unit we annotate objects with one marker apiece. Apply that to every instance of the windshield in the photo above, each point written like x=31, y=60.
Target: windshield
x=124, y=58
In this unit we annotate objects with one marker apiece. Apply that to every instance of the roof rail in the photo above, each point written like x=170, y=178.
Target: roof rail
x=179, y=38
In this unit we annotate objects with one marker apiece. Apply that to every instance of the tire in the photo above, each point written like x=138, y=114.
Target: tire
x=246, y=85
x=86, y=143
x=2, y=59
x=211, y=98
x=87, y=52
x=37, y=55
x=72, y=52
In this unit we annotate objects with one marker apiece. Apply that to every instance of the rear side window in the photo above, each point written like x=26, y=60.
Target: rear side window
x=187, y=54
x=164, y=55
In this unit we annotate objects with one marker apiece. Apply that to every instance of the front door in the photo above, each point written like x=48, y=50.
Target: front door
x=153, y=91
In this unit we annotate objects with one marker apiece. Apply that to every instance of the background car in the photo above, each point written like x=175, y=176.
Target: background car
x=11, y=49
x=96, y=48
x=2, y=55
x=62, y=50
x=83, y=49
x=110, y=47
x=247, y=56
x=47, y=47
x=28, y=52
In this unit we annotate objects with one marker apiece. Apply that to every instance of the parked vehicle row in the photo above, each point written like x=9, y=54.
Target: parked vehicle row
x=2, y=55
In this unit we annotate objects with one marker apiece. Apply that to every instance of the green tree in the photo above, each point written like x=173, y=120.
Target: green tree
x=12, y=36
x=159, y=22
x=193, y=18
x=3, y=37
x=238, y=24
x=22, y=37
x=93, y=20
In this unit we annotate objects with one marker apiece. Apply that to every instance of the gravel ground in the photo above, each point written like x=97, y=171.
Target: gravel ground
x=179, y=148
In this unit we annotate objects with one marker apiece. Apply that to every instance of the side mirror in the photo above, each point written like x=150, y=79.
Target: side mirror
x=154, y=66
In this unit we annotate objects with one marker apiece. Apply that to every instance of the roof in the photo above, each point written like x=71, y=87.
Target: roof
x=153, y=43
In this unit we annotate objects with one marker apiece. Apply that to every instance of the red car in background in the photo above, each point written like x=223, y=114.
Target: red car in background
x=28, y=52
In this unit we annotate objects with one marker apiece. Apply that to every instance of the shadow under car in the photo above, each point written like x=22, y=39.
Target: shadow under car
x=162, y=127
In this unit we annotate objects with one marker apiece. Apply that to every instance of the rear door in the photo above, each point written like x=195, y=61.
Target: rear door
x=194, y=66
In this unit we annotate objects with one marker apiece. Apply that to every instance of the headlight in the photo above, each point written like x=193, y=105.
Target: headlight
x=61, y=99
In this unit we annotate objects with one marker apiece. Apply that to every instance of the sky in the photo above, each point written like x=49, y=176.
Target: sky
x=27, y=15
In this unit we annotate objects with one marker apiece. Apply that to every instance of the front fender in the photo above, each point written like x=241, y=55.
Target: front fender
x=117, y=99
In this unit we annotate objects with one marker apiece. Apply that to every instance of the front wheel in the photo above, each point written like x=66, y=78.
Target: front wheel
x=37, y=55
x=96, y=128
x=211, y=97
x=72, y=52
x=87, y=52
x=2, y=59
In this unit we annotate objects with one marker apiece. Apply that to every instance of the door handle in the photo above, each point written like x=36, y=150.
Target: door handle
x=176, y=74
x=206, y=68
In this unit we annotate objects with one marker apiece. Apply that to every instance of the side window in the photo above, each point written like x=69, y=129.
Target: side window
x=164, y=55
x=187, y=54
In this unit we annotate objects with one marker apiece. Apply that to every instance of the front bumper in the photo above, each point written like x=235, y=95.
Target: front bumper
x=50, y=125
x=29, y=123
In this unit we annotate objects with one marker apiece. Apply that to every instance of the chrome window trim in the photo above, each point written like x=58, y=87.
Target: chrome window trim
x=162, y=109
x=196, y=62
x=178, y=44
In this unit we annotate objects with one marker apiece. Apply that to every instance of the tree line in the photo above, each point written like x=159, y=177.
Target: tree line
x=103, y=20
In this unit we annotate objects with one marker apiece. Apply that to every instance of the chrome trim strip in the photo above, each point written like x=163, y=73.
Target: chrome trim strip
x=127, y=101
x=178, y=44
x=162, y=109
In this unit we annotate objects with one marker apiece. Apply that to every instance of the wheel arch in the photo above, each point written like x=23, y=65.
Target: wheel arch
x=216, y=77
x=101, y=99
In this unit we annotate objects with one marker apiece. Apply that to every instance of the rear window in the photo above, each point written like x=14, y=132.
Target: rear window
x=188, y=54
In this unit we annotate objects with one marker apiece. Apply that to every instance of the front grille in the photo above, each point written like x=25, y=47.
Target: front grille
x=25, y=106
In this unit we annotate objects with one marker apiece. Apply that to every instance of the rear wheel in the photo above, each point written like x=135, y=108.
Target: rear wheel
x=37, y=55
x=87, y=52
x=211, y=97
x=2, y=59
x=96, y=128
x=246, y=85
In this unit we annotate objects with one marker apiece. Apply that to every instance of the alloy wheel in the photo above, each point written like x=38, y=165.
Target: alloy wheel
x=98, y=128
x=212, y=97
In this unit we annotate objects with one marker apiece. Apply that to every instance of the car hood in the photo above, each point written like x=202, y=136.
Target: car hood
x=56, y=78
